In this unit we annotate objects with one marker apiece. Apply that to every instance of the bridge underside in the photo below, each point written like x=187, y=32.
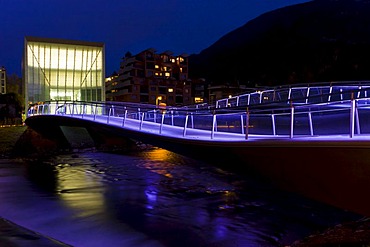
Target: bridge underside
x=71, y=133
x=334, y=172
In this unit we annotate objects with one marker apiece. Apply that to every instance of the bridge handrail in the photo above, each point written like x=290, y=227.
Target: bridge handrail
x=297, y=93
x=241, y=121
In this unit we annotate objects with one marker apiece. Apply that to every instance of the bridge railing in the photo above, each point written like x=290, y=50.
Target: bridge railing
x=342, y=116
x=301, y=94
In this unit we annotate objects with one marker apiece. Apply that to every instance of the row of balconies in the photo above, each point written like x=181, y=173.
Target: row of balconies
x=151, y=90
x=152, y=66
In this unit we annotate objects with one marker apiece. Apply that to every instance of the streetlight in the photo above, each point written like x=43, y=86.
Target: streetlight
x=159, y=98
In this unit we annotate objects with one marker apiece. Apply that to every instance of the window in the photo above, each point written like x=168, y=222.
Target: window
x=198, y=100
x=167, y=74
x=165, y=58
x=170, y=90
x=150, y=65
x=144, y=89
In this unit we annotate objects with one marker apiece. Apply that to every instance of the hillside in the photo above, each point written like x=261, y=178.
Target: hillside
x=321, y=40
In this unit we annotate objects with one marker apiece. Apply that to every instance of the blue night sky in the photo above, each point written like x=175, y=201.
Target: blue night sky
x=181, y=26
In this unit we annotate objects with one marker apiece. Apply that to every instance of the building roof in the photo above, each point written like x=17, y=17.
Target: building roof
x=63, y=41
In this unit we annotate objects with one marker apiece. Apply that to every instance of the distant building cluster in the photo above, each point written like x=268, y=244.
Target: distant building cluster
x=154, y=78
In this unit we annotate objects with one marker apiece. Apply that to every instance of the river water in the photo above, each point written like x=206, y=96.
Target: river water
x=153, y=198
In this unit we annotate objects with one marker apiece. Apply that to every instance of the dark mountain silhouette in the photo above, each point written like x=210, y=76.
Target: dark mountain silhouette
x=321, y=40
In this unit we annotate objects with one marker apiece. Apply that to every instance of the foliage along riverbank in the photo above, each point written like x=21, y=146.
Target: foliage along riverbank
x=8, y=139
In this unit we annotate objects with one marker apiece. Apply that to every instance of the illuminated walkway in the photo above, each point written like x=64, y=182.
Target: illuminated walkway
x=320, y=112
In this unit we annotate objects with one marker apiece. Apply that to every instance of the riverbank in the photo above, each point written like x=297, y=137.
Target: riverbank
x=12, y=235
x=16, y=140
x=8, y=139
x=347, y=234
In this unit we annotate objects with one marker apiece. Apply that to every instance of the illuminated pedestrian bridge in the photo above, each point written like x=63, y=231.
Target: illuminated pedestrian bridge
x=314, y=140
x=324, y=112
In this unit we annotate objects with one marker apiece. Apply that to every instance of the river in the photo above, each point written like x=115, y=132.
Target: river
x=153, y=198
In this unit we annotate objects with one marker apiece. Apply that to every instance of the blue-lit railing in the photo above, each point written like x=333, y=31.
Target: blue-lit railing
x=346, y=114
x=301, y=94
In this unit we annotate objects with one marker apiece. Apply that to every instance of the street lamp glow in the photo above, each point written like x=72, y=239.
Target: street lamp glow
x=159, y=98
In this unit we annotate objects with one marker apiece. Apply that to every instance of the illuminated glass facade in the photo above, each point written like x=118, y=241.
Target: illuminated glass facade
x=63, y=70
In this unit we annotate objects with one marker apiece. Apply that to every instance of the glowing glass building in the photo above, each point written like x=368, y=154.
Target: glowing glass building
x=55, y=69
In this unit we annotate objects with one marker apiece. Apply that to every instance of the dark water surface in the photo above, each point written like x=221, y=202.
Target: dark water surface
x=154, y=198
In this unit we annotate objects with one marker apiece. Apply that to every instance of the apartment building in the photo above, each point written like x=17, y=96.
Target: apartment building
x=2, y=80
x=153, y=78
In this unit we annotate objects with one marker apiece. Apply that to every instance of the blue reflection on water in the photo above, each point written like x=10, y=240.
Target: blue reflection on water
x=155, y=198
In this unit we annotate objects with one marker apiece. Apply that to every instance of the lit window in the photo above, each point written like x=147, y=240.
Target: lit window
x=181, y=70
x=156, y=66
x=170, y=90
x=167, y=74
x=198, y=100
x=180, y=59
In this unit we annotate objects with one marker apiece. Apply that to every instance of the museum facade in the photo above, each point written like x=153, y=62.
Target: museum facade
x=56, y=69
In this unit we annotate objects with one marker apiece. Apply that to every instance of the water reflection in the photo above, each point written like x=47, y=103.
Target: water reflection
x=158, y=198
x=42, y=173
x=80, y=189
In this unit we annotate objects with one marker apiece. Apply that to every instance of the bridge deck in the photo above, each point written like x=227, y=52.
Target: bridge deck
x=177, y=132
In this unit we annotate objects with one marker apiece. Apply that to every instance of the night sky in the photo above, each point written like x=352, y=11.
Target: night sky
x=181, y=26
